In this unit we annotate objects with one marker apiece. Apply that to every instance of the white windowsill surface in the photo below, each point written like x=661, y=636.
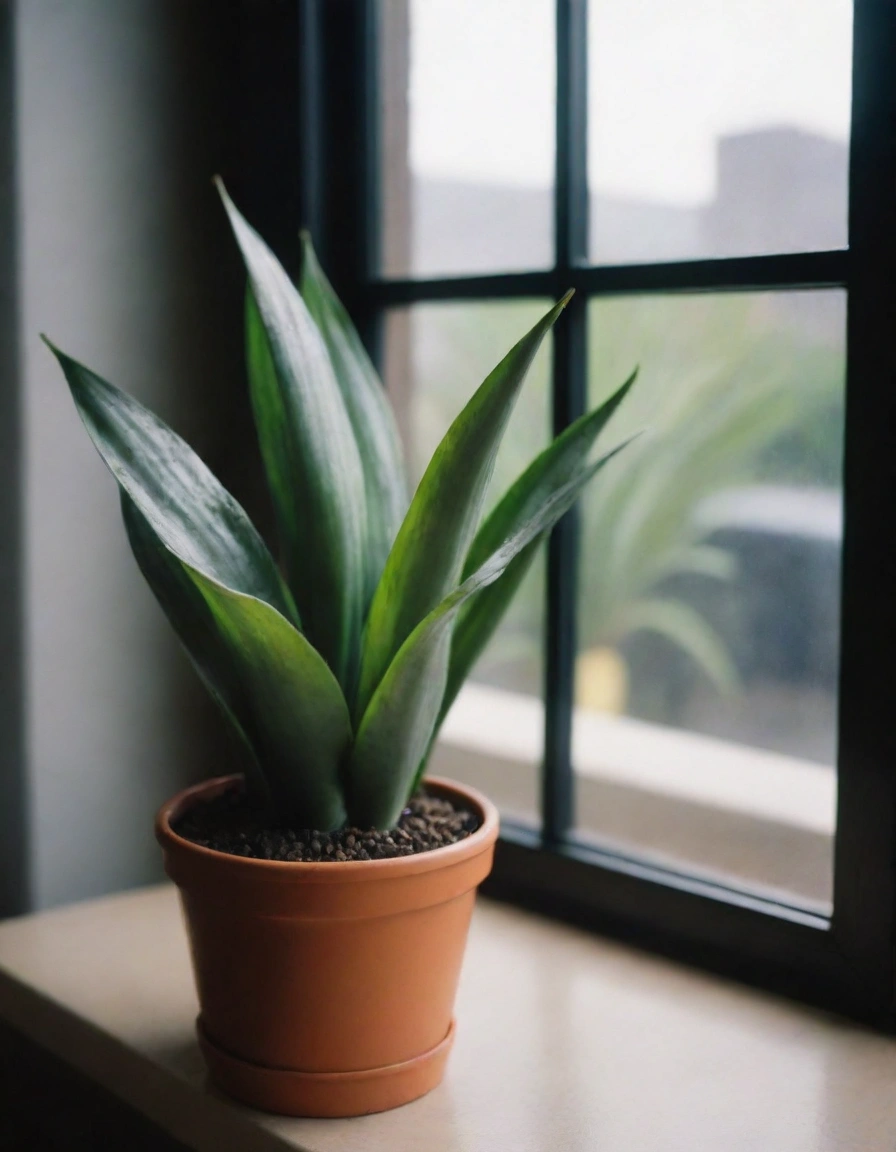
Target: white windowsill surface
x=565, y=1043
x=667, y=761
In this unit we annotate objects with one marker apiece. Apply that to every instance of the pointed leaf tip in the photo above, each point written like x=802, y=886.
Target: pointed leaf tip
x=371, y=416
x=559, y=463
x=189, y=510
x=309, y=451
x=429, y=550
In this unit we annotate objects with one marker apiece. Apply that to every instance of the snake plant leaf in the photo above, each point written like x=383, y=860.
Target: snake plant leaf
x=556, y=466
x=189, y=510
x=396, y=729
x=309, y=452
x=429, y=552
x=476, y=622
x=275, y=690
x=194, y=625
x=481, y=615
x=550, y=470
x=290, y=704
x=371, y=417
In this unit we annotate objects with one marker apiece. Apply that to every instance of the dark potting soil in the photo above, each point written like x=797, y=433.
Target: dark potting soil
x=228, y=824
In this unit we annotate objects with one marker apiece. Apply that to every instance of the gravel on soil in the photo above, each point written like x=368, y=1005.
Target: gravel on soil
x=228, y=824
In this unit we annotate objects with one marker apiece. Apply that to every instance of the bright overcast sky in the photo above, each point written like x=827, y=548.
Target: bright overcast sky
x=667, y=78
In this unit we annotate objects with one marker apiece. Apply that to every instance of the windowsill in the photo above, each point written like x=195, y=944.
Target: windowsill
x=683, y=765
x=565, y=1042
x=750, y=816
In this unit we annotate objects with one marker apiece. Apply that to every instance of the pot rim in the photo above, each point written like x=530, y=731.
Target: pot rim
x=330, y=870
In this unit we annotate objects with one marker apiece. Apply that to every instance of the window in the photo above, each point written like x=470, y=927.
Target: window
x=691, y=748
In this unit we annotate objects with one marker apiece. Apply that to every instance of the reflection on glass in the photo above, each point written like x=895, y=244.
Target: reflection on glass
x=436, y=356
x=466, y=134
x=709, y=583
x=718, y=129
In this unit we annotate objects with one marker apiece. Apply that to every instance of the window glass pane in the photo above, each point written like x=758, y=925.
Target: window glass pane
x=718, y=129
x=466, y=135
x=706, y=682
x=436, y=357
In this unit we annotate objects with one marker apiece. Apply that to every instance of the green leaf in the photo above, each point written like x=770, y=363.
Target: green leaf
x=429, y=552
x=218, y=584
x=192, y=621
x=398, y=724
x=684, y=627
x=370, y=413
x=189, y=510
x=552, y=468
x=482, y=615
x=273, y=687
x=477, y=621
x=309, y=452
x=289, y=705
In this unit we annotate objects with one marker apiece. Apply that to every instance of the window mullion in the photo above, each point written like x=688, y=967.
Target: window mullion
x=311, y=122
x=733, y=274
x=569, y=396
x=347, y=194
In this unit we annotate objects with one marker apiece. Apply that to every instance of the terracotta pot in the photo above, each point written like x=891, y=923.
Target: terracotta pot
x=327, y=989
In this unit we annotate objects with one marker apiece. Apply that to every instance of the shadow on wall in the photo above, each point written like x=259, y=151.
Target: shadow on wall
x=123, y=113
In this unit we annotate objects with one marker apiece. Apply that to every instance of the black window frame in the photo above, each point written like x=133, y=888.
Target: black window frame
x=844, y=962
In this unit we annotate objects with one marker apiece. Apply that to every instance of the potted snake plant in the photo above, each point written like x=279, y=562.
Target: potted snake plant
x=327, y=894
